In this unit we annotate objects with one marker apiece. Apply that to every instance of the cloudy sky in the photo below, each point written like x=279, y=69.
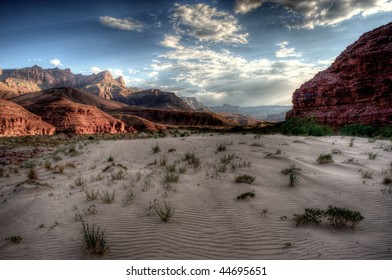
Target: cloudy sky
x=243, y=52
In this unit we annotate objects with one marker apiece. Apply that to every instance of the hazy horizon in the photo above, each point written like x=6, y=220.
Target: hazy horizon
x=246, y=53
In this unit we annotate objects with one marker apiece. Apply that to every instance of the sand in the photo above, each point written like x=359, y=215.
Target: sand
x=209, y=221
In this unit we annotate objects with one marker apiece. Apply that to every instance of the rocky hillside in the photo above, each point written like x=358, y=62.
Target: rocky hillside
x=155, y=98
x=356, y=88
x=72, y=117
x=195, y=104
x=30, y=79
x=17, y=121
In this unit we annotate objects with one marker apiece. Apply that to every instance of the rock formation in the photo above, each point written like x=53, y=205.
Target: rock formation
x=195, y=104
x=35, y=78
x=356, y=88
x=155, y=98
x=71, y=117
x=17, y=121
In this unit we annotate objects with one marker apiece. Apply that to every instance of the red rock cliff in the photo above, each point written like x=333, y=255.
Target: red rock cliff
x=356, y=88
x=17, y=121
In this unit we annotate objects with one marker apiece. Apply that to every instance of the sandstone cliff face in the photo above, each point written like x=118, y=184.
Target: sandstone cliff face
x=17, y=121
x=35, y=78
x=356, y=88
x=138, y=123
x=68, y=116
x=155, y=98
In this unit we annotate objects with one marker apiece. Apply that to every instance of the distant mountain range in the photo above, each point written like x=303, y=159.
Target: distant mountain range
x=267, y=112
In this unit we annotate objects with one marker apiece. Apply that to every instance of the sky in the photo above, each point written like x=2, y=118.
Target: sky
x=239, y=52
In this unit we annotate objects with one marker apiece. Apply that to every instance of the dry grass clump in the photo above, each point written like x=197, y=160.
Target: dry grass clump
x=32, y=174
x=191, y=159
x=155, y=149
x=372, y=155
x=293, y=172
x=107, y=197
x=367, y=174
x=246, y=194
x=325, y=158
x=92, y=195
x=244, y=179
x=164, y=212
x=94, y=238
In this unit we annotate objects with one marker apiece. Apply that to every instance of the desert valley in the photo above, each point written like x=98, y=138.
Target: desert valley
x=91, y=168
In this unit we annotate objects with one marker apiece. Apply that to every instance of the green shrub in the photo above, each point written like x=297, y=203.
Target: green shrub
x=14, y=238
x=303, y=126
x=192, y=159
x=387, y=180
x=110, y=159
x=171, y=177
x=32, y=174
x=325, y=158
x=94, y=238
x=107, y=197
x=165, y=212
x=372, y=155
x=155, y=149
x=367, y=174
x=92, y=195
x=246, y=194
x=244, y=179
x=336, y=217
x=221, y=147
x=340, y=217
x=226, y=159
x=357, y=130
x=293, y=174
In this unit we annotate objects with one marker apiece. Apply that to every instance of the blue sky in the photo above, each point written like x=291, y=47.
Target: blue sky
x=242, y=52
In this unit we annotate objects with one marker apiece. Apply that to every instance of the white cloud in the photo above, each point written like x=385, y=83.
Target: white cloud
x=133, y=71
x=223, y=77
x=171, y=41
x=122, y=23
x=284, y=51
x=207, y=24
x=95, y=69
x=313, y=13
x=245, y=6
x=56, y=62
x=34, y=59
x=116, y=72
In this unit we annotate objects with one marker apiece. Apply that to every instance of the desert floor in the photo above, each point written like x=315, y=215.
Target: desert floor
x=209, y=221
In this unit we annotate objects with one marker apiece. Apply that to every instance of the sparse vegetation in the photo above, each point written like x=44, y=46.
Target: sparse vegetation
x=244, y=179
x=32, y=174
x=303, y=126
x=110, y=159
x=14, y=238
x=107, y=197
x=221, y=147
x=119, y=175
x=164, y=212
x=155, y=149
x=171, y=177
x=336, y=217
x=226, y=159
x=92, y=195
x=48, y=164
x=352, y=142
x=192, y=159
x=94, y=238
x=387, y=180
x=130, y=196
x=80, y=181
x=163, y=160
x=292, y=171
x=367, y=174
x=372, y=155
x=246, y=194
x=325, y=158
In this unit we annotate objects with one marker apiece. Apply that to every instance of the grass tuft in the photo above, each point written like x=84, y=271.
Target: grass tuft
x=325, y=158
x=246, y=194
x=244, y=179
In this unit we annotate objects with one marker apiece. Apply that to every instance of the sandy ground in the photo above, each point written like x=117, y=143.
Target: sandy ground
x=208, y=222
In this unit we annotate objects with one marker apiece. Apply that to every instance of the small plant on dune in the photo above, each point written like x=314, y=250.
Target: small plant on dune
x=192, y=159
x=352, y=142
x=312, y=215
x=171, y=167
x=163, y=160
x=246, y=194
x=93, y=237
x=226, y=159
x=244, y=179
x=325, y=158
x=14, y=238
x=164, y=212
x=92, y=195
x=59, y=168
x=171, y=177
x=107, y=197
x=292, y=171
x=257, y=145
x=155, y=149
x=221, y=147
x=372, y=155
x=80, y=181
x=182, y=169
x=48, y=164
x=130, y=196
x=32, y=174
x=171, y=150
x=340, y=217
x=29, y=164
x=287, y=245
x=150, y=209
x=110, y=159
x=336, y=216
x=119, y=175
x=367, y=174
x=387, y=180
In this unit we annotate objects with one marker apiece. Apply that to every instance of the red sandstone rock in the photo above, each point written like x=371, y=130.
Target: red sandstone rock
x=138, y=123
x=17, y=121
x=356, y=88
x=68, y=116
